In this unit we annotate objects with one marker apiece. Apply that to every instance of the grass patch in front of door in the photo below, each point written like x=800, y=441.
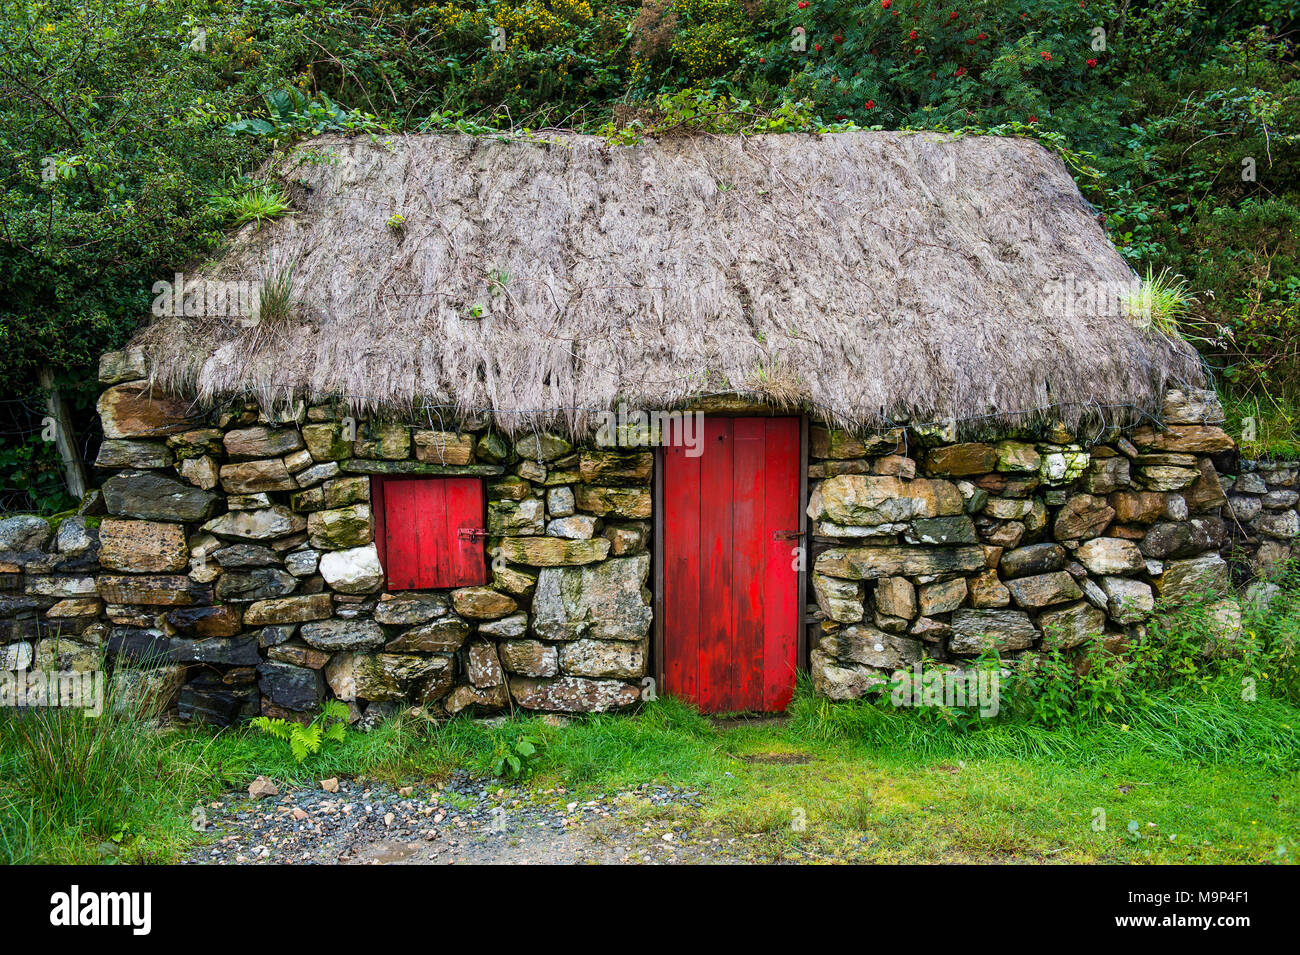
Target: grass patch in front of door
x=1167, y=761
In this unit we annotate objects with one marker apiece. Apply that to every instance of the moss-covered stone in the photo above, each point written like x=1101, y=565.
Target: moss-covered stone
x=613, y=467
x=341, y=527
x=552, y=551
x=542, y=446
x=494, y=449
x=326, y=441
x=630, y=503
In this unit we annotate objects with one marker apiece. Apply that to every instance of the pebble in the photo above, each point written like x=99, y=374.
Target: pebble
x=343, y=818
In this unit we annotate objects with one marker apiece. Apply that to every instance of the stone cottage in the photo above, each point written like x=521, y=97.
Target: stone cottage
x=558, y=425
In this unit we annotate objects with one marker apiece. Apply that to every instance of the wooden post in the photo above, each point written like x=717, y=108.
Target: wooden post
x=74, y=472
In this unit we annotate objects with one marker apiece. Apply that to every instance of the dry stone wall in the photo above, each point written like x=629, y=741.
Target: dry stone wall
x=944, y=549
x=230, y=557
x=241, y=548
x=1263, y=523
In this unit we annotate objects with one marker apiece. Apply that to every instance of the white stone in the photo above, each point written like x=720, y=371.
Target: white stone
x=73, y=538
x=1110, y=555
x=16, y=656
x=577, y=527
x=352, y=571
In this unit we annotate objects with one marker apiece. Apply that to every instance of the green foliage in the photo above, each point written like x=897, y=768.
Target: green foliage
x=329, y=726
x=516, y=756
x=1265, y=426
x=261, y=203
x=703, y=111
x=124, y=124
x=90, y=788
x=1191, y=669
x=31, y=476
x=1162, y=302
x=292, y=113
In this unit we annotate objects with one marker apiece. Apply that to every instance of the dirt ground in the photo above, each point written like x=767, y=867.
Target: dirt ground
x=464, y=822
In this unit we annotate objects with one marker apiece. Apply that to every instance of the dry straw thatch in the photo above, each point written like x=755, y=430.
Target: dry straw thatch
x=870, y=277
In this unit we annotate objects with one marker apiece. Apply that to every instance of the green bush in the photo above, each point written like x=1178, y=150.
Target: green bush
x=119, y=124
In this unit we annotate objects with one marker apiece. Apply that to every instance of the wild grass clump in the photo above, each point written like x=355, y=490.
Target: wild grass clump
x=1163, y=301
x=1195, y=686
x=276, y=298
x=263, y=203
x=77, y=787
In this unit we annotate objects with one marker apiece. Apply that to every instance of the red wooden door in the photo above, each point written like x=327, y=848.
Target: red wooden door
x=422, y=531
x=730, y=601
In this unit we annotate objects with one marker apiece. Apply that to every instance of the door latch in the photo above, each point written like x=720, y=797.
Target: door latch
x=787, y=535
x=472, y=533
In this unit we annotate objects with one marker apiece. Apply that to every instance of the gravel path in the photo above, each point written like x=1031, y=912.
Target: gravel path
x=463, y=821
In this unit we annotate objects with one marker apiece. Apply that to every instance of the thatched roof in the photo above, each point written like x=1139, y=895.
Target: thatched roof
x=872, y=277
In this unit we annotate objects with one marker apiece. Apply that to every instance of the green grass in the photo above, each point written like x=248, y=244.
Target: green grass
x=259, y=204
x=1164, y=301
x=75, y=788
x=1185, y=765
x=1264, y=427
x=875, y=787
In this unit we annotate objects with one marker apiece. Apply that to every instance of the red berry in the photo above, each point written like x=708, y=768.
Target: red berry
x=870, y=104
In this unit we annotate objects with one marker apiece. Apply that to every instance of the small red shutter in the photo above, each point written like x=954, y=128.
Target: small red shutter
x=424, y=531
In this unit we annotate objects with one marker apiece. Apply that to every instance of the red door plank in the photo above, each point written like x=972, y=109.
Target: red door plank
x=781, y=594
x=716, y=692
x=681, y=549
x=435, y=568
x=403, y=541
x=749, y=557
x=464, y=513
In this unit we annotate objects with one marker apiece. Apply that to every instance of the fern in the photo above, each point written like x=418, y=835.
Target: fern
x=329, y=726
x=278, y=728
